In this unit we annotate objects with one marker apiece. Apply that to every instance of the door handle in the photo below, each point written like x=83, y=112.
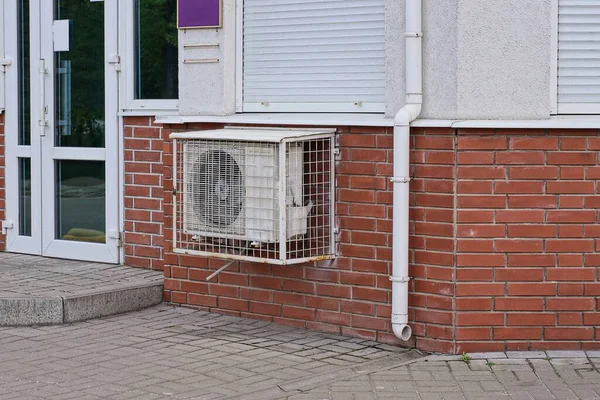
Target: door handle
x=43, y=122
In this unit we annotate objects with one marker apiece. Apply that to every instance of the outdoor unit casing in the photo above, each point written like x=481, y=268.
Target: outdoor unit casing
x=232, y=202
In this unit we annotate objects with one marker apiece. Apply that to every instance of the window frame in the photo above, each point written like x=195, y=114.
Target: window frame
x=129, y=104
x=300, y=108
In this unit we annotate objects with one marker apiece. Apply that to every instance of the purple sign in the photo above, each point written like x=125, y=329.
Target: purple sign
x=198, y=14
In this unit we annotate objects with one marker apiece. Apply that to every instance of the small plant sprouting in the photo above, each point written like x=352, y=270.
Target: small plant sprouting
x=465, y=358
x=490, y=364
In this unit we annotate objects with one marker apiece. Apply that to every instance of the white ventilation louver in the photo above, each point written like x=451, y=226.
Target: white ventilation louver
x=231, y=202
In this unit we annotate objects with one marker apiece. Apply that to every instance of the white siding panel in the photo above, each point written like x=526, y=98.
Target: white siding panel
x=578, y=54
x=314, y=55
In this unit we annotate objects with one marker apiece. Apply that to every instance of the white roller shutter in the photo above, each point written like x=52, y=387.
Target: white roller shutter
x=314, y=55
x=579, y=56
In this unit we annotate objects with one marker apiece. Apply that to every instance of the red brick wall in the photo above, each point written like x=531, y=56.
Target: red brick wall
x=503, y=240
x=527, y=235
x=350, y=295
x=143, y=229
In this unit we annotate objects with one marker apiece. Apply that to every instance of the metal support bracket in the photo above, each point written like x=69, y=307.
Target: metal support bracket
x=404, y=179
x=400, y=279
x=6, y=225
x=413, y=34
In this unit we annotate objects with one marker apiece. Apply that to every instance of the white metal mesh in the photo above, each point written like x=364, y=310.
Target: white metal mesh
x=231, y=203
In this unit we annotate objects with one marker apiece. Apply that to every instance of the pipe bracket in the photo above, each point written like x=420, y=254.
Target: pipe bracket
x=413, y=34
x=400, y=279
x=404, y=179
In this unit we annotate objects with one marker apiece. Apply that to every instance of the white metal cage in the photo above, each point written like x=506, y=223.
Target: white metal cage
x=229, y=201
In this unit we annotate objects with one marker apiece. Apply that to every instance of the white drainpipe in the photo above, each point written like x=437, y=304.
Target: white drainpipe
x=407, y=114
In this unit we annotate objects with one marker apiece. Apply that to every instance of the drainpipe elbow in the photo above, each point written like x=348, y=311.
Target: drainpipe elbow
x=402, y=331
x=407, y=114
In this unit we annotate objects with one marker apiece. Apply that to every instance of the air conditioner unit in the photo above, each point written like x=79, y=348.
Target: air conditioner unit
x=241, y=189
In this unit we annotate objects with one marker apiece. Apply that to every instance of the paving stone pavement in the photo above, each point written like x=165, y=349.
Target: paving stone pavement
x=539, y=377
x=175, y=353
x=29, y=276
x=169, y=352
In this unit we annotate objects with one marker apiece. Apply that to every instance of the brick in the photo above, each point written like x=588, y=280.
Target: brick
x=361, y=321
x=518, y=304
x=266, y=282
x=336, y=318
x=434, y=142
x=520, y=216
x=577, y=173
x=475, y=158
x=580, y=333
x=368, y=182
x=473, y=333
x=537, y=143
x=265, y=308
x=474, y=304
x=475, y=216
x=532, y=231
x=571, y=158
x=323, y=275
x=474, y=187
x=570, y=231
x=376, y=295
x=479, y=289
x=575, y=318
x=358, y=196
x=522, y=275
x=531, y=319
x=531, y=289
x=518, y=245
x=565, y=187
x=512, y=187
x=569, y=245
x=517, y=157
x=479, y=172
x=533, y=172
x=482, y=143
x=571, y=274
x=436, y=317
x=570, y=289
x=480, y=260
x=298, y=313
x=517, y=333
x=571, y=217
x=475, y=274
x=568, y=304
x=475, y=246
x=356, y=278
x=482, y=201
x=518, y=201
x=479, y=319
x=481, y=231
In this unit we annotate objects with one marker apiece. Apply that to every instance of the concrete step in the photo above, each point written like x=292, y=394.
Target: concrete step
x=43, y=291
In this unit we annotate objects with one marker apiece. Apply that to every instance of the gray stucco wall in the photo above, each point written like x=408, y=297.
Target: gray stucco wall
x=503, y=49
x=482, y=59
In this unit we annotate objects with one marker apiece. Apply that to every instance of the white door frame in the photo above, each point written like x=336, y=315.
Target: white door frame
x=43, y=239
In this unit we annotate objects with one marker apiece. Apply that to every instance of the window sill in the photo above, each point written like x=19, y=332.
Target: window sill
x=554, y=122
x=282, y=119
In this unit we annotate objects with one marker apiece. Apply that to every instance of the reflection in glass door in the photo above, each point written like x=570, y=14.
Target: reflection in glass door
x=66, y=153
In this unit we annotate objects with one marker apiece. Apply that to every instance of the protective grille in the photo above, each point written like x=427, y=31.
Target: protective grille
x=229, y=200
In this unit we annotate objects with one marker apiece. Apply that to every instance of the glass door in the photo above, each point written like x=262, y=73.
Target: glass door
x=67, y=181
